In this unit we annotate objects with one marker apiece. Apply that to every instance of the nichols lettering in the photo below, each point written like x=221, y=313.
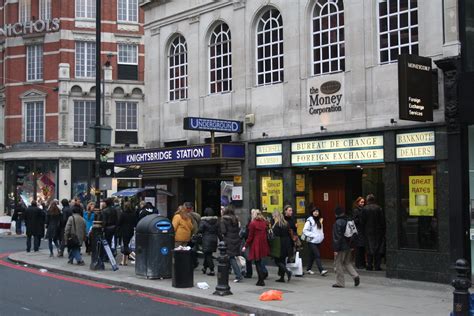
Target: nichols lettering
x=38, y=26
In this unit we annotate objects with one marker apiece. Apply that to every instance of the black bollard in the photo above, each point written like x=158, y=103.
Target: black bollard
x=96, y=247
x=222, y=288
x=461, y=284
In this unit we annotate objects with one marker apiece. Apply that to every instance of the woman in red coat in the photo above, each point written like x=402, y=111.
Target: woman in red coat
x=258, y=243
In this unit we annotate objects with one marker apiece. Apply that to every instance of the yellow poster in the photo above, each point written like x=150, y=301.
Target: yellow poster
x=275, y=195
x=264, y=193
x=421, y=195
x=300, y=183
x=300, y=225
x=300, y=205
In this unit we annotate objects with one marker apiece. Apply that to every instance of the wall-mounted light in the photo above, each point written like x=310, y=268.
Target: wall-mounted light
x=393, y=121
x=264, y=134
x=65, y=182
x=322, y=128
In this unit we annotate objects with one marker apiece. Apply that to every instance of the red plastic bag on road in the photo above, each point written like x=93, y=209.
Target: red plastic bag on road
x=272, y=295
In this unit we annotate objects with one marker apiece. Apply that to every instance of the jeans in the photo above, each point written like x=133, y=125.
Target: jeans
x=18, y=227
x=360, y=257
x=50, y=244
x=314, y=255
x=75, y=253
x=36, y=242
x=235, y=267
x=280, y=262
x=342, y=262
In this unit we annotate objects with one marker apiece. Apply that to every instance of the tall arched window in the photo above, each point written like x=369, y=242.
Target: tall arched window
x=270, y=48
x=178, y=69
x=328, y=37
x=220, y=60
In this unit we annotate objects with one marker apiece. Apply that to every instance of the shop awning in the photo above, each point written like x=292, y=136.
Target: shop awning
x=128, y=192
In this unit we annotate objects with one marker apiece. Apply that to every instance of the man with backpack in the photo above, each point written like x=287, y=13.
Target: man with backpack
x=342, y=250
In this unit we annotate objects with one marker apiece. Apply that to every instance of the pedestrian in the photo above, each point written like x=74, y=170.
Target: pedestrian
x=89, y=217
x=373, y=219
x=194, y=242
x=53, y=227
x=109, y=222
x=359, y=240
x=313, y=228
x=209, y=228
x=66, y=213
x=292, y=225
x=75, y=226
x=183, y=227
x=229, y=230
x=281, y=247
x=126, y=224
x=342, y=250
x=19, y=216
x=257, y=242
x=34, y=220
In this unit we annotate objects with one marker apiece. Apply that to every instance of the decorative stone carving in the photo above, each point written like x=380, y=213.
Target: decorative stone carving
x=194, y=19
x=155, y=31
x=238, y=4
x=451, y=69
x=64, y=163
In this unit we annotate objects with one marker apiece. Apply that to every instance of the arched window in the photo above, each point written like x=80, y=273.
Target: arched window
x=328, y=37
x=220, y=60
x=270, y=48
x=398, y=28
x=178, y=69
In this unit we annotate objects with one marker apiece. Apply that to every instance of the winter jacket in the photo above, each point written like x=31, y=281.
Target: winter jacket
x=359, y=240
x=257, y=240
x=145, y=211
x=183, y=228
x=67, y=211
x=19, y=213
x=229, y=230
x=34, y=221
x=53, y=226
x=339, y=241
x=286, y=244
x=110, y=219
x=373, y=219
x=196, y=219
x=76, y=225
x=209, y=228
x=126, y=224
x=89, y=219
x=311, y=230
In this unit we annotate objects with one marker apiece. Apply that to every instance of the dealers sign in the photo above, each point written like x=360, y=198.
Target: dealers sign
x=416, y=146
x=212, y=125
x=38, y=26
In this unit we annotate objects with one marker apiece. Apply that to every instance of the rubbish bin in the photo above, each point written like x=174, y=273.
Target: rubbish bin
x=154, y=241
x=183, y=270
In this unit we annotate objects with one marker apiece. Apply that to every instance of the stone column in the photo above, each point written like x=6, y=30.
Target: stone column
x=64, y=185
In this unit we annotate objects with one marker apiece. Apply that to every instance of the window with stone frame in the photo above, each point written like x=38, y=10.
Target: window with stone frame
x=397, y=28
x=220, y=60
x=127, y=10
x=34, y=121
x=84, y=116
x=34, y=62
x=178, y=69
x=328, y=46
x=24, y=11
x=85, y=60
x=45, y=10
x=85, y=9
x=269, y=48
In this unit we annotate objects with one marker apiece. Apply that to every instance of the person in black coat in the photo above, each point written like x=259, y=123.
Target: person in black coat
x=53, y=227
x=359, y=241
x=126, y=224
x=281, y=230
x=34, y=220
x=66, y=213
x=209, y=228
x=373, y=219
x=18, y=216
x=229, y=229
x=109, y=222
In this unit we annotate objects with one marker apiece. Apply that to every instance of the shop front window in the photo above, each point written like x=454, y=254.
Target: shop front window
x=271, y=191
x=82, y=180
x=418, y=211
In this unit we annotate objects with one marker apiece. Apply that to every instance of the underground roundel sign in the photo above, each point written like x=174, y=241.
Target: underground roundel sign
x=164, y=251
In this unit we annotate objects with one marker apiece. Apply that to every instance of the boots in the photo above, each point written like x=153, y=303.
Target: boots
x=124, y=260
x=261, y=276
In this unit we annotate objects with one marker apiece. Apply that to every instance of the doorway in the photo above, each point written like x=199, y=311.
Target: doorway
x=211, y=195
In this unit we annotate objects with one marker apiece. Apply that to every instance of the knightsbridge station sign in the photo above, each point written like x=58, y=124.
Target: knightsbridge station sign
x=31, y=27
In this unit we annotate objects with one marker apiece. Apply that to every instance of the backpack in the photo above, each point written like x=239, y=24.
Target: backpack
x=351, y=229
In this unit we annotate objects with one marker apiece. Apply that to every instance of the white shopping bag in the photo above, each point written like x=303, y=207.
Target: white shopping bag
x=296, y=267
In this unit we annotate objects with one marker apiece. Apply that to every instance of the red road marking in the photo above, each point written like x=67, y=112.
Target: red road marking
x=152, y=297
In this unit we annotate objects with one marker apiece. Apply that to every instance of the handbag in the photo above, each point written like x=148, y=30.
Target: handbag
x=270, y=234
x=275, y=247
x=72, y=240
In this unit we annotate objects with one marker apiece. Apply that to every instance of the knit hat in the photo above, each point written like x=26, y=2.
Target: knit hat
x=339, y=211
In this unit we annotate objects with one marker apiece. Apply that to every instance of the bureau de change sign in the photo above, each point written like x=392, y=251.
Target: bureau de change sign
x=415, y=88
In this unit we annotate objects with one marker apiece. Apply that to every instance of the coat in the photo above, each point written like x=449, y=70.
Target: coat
x=257, y=240
x=66, y=212
x=229, y=230
x=311, y=230
x=286, y=244
x=89, y=219
x=357, y=217
x=126, y=224
x=183, y=228
x=373, y=219
x=53, y=226
x=339, y=241
x=34, y=221
x=77, y=225
x=209, y=228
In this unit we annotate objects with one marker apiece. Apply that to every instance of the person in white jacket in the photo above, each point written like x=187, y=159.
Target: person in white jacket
x=313, y=228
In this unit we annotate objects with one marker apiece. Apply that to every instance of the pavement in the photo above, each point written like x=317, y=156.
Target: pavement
x=307, y=295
